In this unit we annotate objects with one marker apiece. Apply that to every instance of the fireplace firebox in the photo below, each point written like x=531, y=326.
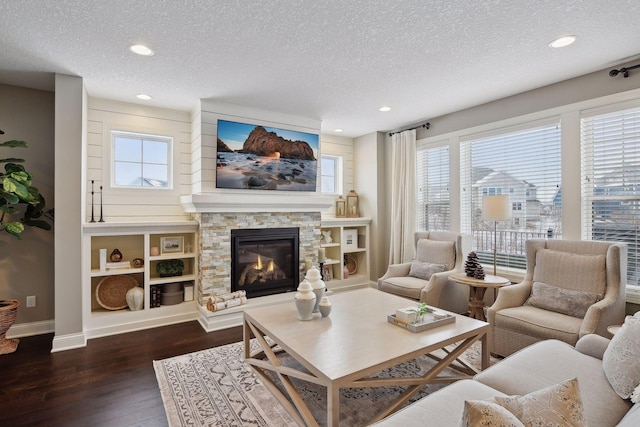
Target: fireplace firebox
x=264, y=261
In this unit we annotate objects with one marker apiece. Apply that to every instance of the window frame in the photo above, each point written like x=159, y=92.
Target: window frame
x=509, y=263
x=338, y=177
x=148, y=136
x=422, y=196
x=607, y=200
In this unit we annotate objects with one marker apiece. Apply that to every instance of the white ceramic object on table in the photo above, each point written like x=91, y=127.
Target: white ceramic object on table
x=305, y=300
x=325, y=306
x=314, y=277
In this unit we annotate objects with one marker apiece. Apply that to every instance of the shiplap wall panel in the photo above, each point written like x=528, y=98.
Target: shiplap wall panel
x=341, y=146
x=137, y=204
x=195, y=150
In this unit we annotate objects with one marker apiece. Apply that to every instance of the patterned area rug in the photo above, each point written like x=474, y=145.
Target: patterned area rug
x=215, y=387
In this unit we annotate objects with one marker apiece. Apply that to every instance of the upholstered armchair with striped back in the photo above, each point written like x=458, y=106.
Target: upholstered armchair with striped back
x=571, y=289
x=426, y=278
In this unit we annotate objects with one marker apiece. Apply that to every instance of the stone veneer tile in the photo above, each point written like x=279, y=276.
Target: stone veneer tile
x=215, y=243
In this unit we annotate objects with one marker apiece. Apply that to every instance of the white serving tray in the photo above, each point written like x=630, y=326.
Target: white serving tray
x=428, y=322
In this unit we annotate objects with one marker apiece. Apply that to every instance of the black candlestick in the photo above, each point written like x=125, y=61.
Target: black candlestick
x=92, y=217
x=101, y=219
x=322, y=270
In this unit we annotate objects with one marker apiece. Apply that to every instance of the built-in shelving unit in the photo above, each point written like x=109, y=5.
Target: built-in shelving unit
x=349, y=238
x=135, y=240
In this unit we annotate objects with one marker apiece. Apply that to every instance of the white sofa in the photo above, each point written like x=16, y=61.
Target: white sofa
x=540, y=365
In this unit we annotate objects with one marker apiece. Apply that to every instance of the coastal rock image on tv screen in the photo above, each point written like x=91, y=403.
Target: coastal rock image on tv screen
x=265, y=158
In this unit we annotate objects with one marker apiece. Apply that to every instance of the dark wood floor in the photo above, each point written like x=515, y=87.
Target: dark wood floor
x=111, y=382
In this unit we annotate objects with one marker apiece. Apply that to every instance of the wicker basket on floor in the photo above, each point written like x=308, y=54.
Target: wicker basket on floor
x=8, y=310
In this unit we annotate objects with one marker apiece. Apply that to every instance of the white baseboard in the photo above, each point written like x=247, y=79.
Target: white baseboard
x=140, y=325
x=68, y=342
x=30, y=329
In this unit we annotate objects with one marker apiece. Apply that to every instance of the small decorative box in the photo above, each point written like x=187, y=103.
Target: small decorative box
x=407, y=314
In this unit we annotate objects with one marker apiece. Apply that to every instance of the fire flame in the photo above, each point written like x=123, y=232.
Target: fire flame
x=259, y=264
x=271, y=266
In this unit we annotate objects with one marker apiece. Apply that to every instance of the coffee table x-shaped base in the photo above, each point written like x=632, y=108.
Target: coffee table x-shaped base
x=267, y=365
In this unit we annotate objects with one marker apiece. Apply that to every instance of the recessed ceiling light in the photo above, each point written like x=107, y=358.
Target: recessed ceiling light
x=384, y=109
x=143, y=96
x=563, y=41
x=141, y=50
x=338, y=130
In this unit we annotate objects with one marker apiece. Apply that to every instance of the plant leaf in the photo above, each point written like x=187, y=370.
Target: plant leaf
x=12, y=186
x=14, y=143
x=11, y=160
x=11, y=199
x=14, y=228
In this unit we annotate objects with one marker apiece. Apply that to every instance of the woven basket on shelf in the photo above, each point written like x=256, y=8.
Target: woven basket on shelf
x=8, y=310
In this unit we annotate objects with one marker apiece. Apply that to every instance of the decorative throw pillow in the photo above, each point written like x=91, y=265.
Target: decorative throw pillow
x=570, y=270
x=560, y=300
x=424, y=270
x=437, y=252
x=621, y=359
x=485, y=413
x=556, y=405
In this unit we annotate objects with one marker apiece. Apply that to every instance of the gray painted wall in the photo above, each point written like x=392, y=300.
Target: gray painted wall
x=26, y=266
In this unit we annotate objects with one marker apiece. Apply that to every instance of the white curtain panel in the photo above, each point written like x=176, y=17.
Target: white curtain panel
x=403, y=196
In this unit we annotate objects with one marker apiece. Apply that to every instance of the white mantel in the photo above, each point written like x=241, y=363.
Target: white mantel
x=252, y=202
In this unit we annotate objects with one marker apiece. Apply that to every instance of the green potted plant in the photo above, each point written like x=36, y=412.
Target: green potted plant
x=170, y=267
x=21, y=204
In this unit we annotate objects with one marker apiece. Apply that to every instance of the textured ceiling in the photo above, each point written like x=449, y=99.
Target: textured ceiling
x=333, y=60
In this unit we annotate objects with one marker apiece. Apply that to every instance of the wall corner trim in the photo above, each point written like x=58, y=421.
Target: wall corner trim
x=68, y=342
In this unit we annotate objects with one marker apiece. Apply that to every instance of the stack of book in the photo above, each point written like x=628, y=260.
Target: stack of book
x=156, y=292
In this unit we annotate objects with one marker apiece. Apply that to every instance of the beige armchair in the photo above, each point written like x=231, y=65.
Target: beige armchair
x=438, y=254
x=571, y=289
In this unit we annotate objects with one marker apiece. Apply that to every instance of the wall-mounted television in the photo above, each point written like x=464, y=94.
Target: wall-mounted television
x=265, y=158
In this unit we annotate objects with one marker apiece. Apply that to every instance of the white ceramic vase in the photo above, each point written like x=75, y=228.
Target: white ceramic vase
x=314, y=277
x=135, y=298
x=305, y=300
x=325, y=306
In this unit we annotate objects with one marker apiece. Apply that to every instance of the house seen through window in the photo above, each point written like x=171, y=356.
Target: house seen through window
x=611, y=182
x=523, y=163
x=140, y=160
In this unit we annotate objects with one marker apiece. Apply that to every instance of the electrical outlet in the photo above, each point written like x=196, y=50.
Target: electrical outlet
x=31, y=301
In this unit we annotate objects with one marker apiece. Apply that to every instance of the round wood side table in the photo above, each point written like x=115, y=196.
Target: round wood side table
x=477, y=289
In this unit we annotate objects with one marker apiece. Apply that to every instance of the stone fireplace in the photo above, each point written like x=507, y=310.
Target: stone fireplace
x=264, y=261
x=215, y=244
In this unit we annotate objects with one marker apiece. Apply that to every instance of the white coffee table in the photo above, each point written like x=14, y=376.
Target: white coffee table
x=353, y=343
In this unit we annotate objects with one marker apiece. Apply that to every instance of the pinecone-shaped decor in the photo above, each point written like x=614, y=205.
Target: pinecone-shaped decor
x=472, y=267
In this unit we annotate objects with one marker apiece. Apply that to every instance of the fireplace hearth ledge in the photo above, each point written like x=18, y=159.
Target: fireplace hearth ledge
x=251, y=202
x=231, y=317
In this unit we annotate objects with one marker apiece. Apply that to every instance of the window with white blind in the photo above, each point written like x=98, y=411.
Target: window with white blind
x=434, y=194
x=611, y=182
x=523, y=163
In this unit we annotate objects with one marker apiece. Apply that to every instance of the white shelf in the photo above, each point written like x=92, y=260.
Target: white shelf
x=171, y=279
x=353, y=251
x=135, y=240
x=330, y=245
x=115, y=271
x=172, y=256
x=126, y=313
x=337, y=249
